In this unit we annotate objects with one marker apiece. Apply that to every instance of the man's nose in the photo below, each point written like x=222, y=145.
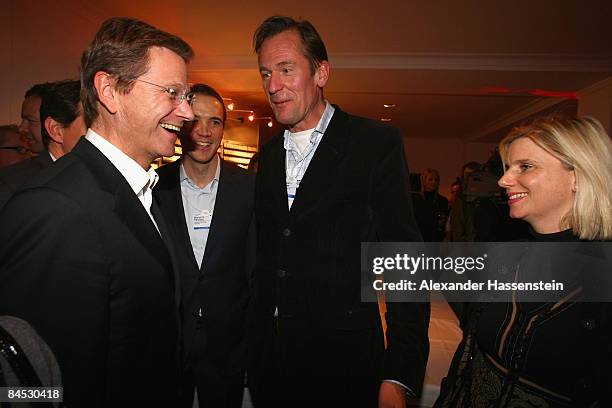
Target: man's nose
x=184, y=110
x=23, y=127
x=202, y=128
x=274, y=83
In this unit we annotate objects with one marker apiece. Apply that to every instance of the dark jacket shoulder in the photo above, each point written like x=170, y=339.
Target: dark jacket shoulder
x=16, y=174
x=359, y=128
x=81, y=175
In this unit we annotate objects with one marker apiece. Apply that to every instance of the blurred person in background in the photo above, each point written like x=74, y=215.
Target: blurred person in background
x=461, y=214
x=11, y=149
x=30, y=125
x=431, y=208
x=61, y=116
x=62, y=124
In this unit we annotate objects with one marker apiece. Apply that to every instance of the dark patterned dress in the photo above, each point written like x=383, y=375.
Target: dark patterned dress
x=533, y=355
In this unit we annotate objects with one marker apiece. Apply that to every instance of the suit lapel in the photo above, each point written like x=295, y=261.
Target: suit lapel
x=127, y=207
x=224, y=203
x=173, y=208
x=277, y=177
x=166, y=234
x=323, y=167
x=131, y=212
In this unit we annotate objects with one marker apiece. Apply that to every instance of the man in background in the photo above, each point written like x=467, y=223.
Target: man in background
x=62, y=124
x=62, y=118
x=431, y=208
x=30, y=117
x=12, y=177
x=209, y=205
x=11, y=150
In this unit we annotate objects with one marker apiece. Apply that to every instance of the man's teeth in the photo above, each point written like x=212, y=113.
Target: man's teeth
x=203, y=144
x=517, y=195
x=170, y=127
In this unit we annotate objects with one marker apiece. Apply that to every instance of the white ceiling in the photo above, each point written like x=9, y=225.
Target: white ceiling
x=455, y=69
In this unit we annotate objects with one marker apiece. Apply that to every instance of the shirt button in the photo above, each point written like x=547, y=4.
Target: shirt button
x=588, y=324
x=286, y=232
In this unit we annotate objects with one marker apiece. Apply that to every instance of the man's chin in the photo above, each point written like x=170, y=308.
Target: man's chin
x=281, y=116
x=168, y=152
x=201, y=159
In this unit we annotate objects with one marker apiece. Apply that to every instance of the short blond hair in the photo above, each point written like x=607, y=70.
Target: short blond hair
x=582, y=145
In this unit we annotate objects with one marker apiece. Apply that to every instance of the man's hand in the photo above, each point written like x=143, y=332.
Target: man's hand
x=391, y=395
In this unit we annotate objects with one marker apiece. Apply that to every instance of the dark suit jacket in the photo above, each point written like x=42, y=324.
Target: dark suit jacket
x=221, y=287
x=82, y=262
x=355, y=190
x=14, y=176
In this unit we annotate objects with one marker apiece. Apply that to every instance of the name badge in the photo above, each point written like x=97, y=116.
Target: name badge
x=202, y=220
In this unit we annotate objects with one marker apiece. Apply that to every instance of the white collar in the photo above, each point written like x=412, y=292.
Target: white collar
x=184, y=177
x=138, y=179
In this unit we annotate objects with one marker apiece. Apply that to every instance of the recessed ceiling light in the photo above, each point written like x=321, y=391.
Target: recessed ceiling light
x=385, y=119
x=389, y=105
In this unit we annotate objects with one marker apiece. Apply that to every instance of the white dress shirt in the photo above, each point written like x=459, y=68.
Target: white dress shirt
x=140, y=180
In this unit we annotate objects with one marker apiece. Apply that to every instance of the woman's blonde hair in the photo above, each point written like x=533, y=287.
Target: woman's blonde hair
x=424, y=175
x=582, y=145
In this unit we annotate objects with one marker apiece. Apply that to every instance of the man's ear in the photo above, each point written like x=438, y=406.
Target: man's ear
x=322, y=74
x=54, y=130
x=105, y=88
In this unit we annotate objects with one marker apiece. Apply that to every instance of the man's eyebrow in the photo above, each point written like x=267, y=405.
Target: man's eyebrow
x=281, y=64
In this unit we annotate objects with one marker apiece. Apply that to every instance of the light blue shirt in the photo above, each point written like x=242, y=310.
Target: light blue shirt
x=199, y=205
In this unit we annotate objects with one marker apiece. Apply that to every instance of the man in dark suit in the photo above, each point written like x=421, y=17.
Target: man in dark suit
x=88, y=269
x=61, y=124
x=330, y=182
x=13, y=177
x=208, y=204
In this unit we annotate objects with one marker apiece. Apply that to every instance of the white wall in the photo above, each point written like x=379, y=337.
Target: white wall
x=596, y=101
x=31, y=54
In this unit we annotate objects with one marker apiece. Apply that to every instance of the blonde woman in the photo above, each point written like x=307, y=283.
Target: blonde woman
x=558, y=178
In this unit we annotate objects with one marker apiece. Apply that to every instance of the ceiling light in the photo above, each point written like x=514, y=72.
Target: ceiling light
x=251, y=117
x=229, y=103
x=389, y=105
x=270, y=124
x=385, y=119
